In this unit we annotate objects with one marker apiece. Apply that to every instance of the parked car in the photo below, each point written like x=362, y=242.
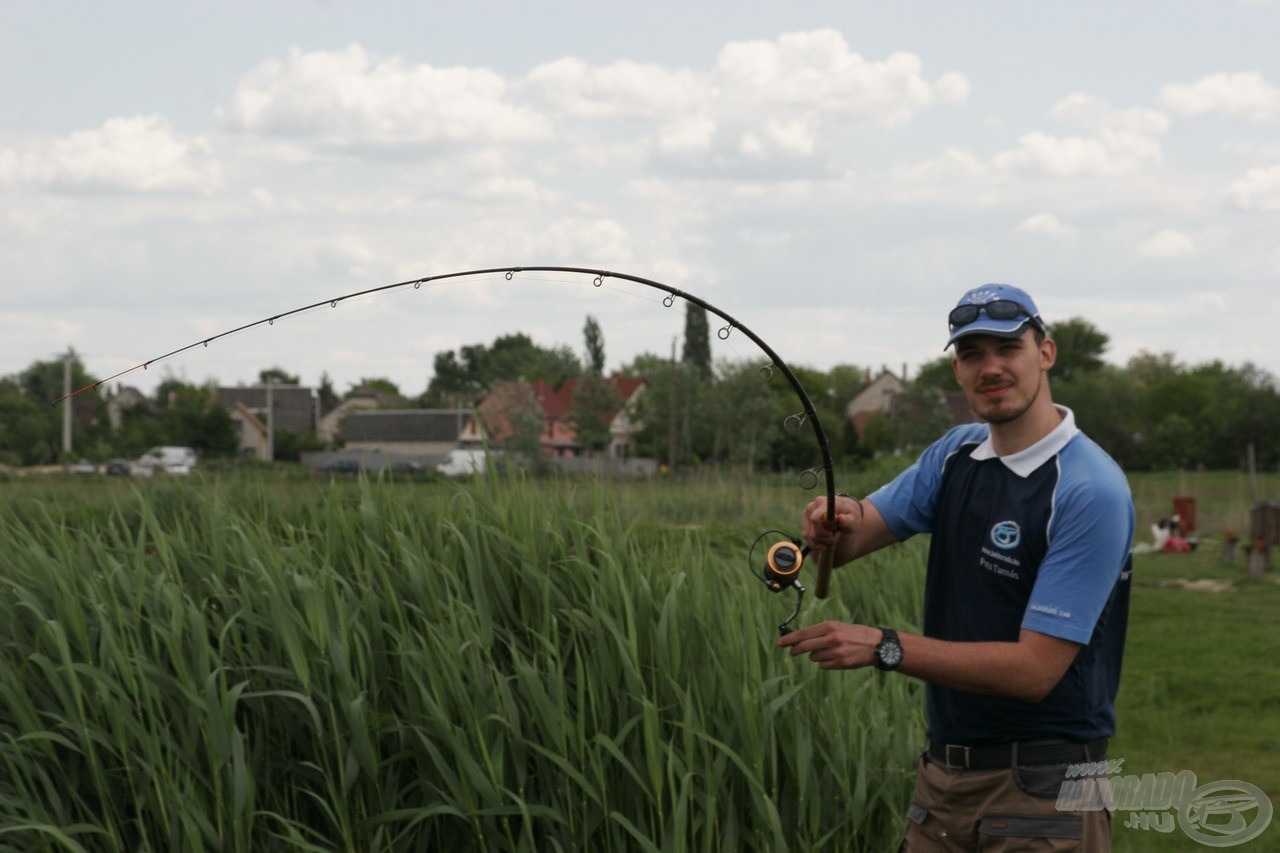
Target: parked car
x=341, y=466
x=463, y=461
x=84, y=466
x=118, y=467
x=167, y=460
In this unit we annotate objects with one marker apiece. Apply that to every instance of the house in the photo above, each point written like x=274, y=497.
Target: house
x=880, y=396
x=405, y=432
x=259, y=408
x=499, y=412
x=124, y=399
x=876, y=398
x=252, y=431
x=360, y=400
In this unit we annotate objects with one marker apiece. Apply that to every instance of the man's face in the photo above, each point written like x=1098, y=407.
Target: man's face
x=1002, y=377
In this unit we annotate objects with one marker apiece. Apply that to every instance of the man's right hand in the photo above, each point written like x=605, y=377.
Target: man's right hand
x=847, y=520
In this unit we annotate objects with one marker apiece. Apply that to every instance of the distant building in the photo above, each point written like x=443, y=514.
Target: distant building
x=877, y=397
x=252, y=431
x=497, y=411
x=360, y=400
x=880, y=397
x=121, y=401
x=405, y=432
x=292, y=408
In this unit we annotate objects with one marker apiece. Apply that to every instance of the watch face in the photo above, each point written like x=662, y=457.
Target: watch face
x=890, y=653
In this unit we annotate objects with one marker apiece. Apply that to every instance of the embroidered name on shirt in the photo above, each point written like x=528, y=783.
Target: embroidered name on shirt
x=1050, y=611
x=1005, y=565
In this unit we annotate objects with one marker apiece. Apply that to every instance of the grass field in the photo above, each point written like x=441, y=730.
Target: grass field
x=229, y=663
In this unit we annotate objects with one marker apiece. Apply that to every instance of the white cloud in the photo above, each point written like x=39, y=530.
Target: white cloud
x=952, y=88
x=1245, y=95
x=624, y=88
x=139, y=154
x=1108, y=153
x=954, y=162
x=351, y=97
x=1259, y=189
x=817, y=71
x=1094, y=113
x=1168, y=244
x=692, y=136
x=1048, y=225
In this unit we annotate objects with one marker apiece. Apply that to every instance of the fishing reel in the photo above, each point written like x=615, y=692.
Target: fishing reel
x=782, y=571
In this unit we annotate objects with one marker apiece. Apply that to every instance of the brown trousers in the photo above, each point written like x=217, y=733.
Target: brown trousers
x=998, y=811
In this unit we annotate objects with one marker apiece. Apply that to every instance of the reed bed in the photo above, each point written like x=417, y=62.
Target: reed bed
x=232, y=665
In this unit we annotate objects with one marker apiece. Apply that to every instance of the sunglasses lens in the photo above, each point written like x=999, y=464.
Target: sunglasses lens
x=1003, y=309
x=1000, y=309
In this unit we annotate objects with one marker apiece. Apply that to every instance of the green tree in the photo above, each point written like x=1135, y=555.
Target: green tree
x=1107, y=406
x=328, y=397
x=277, y=376
x=595, y=401
x=595, y=346
x=920, y=416
x=1080, y=347
x=697, y=340
x=745, y=416
x=185, y=415
x=377, y=383
x=24, y=427
x=475, y=369
x=43, y=383
x=937, y=374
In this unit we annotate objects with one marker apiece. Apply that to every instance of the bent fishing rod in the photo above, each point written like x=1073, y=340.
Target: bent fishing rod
x=784, y=558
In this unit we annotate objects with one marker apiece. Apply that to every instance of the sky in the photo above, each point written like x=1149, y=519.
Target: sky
x=833, y=175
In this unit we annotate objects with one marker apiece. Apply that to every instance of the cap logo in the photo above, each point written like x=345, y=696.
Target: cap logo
x=982, y=297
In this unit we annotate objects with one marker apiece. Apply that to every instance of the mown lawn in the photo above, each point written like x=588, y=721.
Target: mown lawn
x=1201, y=688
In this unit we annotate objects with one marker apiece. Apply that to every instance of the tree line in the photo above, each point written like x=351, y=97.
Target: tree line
x=1152, y=413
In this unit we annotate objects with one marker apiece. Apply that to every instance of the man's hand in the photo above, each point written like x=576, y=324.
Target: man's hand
x=814, y=519
x=835, y=645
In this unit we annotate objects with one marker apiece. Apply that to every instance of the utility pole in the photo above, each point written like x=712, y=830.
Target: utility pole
x=67, y=402
x=271, y=422
x=671, y=408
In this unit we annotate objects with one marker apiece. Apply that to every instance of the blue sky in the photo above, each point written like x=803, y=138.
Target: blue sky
x=834, y=174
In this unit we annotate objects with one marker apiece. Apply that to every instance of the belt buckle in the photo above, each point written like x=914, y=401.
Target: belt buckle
x=963, y=763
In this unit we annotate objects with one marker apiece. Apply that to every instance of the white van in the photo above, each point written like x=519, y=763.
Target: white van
x=169, y=460
x=463, y=461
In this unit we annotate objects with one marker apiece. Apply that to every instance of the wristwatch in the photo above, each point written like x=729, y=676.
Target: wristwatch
x=888, y=651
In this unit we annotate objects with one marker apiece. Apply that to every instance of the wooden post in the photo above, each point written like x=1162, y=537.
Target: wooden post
x=1229, y=547
x=1259, y=556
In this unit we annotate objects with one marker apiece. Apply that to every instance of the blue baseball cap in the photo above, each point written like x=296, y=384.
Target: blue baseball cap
x=1001, y=310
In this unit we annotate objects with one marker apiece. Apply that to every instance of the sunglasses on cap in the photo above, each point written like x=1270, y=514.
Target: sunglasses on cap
x=996, y=309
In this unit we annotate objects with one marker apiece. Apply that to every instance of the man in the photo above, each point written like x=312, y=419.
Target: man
x=1026, y=596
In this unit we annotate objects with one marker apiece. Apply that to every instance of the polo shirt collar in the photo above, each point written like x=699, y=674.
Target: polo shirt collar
x=1025, y=462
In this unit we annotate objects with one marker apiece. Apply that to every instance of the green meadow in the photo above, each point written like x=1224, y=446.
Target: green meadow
x=251, y=661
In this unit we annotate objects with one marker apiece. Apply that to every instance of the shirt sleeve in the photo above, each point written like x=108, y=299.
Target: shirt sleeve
x=909, y=503
x=1091, y=536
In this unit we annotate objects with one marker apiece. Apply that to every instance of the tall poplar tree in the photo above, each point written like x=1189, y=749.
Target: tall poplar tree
x=697, y=340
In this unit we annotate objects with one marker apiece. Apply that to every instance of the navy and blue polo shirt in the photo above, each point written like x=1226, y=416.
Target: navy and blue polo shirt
x=1040, y=539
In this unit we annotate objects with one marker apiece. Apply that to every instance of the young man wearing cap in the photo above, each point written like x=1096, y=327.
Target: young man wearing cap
x=1026, y=596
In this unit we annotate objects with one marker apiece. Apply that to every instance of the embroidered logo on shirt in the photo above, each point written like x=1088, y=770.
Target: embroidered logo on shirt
x=1006, y=535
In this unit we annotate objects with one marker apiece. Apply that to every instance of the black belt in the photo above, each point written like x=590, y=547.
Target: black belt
x=955, y=757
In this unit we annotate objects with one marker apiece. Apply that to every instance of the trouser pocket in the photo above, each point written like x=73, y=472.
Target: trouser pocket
x=1032, y=826
x=1043, y=780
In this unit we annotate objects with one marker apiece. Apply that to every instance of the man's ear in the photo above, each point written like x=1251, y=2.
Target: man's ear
x=1048, y=354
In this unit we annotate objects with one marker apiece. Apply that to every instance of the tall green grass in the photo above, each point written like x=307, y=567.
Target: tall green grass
x=228, y=665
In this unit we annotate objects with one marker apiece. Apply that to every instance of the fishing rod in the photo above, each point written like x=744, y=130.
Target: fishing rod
x=784, y=559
